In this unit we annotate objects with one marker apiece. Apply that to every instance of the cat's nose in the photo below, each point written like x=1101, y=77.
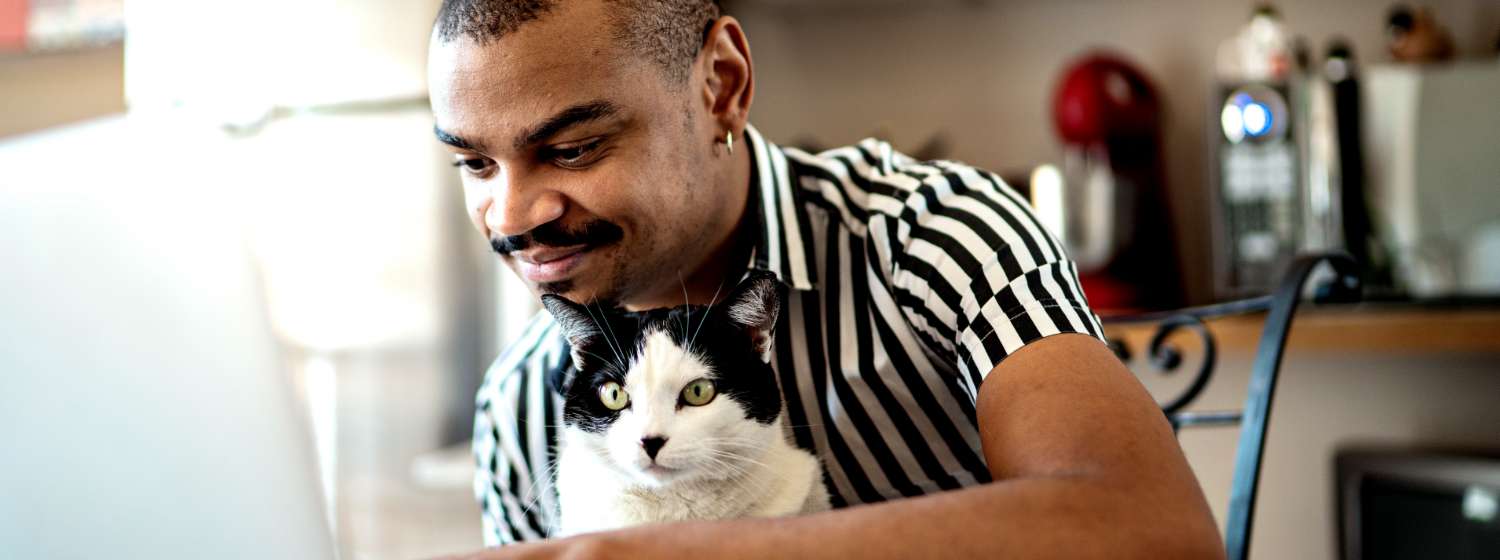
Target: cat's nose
x=652, y=444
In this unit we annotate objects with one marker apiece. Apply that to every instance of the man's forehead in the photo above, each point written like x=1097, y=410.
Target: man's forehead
x=481, y=90
x=489, y=95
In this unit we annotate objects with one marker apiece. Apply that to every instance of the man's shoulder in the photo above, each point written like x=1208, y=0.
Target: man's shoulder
x=871, y=178
x=867, y=160
x=531, y=356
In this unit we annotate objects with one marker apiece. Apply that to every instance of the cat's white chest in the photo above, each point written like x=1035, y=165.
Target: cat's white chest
x=594, y=497
x=584, y=485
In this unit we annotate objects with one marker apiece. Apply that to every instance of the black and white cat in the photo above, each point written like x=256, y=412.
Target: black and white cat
x=674, y=414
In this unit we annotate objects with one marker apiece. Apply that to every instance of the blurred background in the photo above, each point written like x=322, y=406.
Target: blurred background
x=1184, y=150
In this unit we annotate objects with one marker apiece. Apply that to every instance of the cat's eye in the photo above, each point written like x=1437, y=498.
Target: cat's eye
x=699, y=393
x=613, y=396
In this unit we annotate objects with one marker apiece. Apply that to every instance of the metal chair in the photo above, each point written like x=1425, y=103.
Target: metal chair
x=1280, y=306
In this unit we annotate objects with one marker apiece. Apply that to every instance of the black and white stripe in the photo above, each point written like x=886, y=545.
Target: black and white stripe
x=908, y=282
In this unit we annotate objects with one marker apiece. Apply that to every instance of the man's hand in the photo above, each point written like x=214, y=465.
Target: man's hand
x=1085, y=466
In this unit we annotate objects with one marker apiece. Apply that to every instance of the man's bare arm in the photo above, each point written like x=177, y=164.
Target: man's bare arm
x=1085, y=466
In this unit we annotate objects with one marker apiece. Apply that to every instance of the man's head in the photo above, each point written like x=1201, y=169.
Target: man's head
x=667, y=32
x=585, y=134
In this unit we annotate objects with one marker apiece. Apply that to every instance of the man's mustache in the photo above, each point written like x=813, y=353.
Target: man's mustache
x=591, y=234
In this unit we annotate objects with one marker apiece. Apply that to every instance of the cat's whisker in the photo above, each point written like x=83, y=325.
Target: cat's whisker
x=720, y=452
x=728, y=453
x=750, y=457
x=732, y=437
x=804, y=425
x=687, y=306
x=601, y=358
x=610, y=339
x=744, y=439
x=536, y=487
x=721, y=462
x=741, y=478
x=739, y=457
x=729, y=463
x=735, y=445
x=531, y=505
x=619, y=343
x=737, y=472
x=706, y=313
x=735, y=477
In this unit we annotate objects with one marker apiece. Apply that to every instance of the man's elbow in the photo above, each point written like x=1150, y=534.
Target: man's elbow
x=1193, y=545
x=1159, y=524
x=1192, y=538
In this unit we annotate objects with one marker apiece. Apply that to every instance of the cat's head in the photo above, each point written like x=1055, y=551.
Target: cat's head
x=673, y=394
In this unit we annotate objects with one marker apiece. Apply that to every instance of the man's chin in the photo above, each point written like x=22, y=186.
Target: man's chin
x=580, y=290
x=562, y=288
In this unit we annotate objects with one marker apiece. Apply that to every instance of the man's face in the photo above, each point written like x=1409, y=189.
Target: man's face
x=584, y=165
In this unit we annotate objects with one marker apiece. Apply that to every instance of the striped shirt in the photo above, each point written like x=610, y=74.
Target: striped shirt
x=907, y=283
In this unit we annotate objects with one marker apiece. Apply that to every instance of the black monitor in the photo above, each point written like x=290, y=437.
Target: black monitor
x=1413, y=504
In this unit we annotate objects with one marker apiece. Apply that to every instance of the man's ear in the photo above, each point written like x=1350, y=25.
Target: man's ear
x=729, y=84
x=578, y=325
x=753, y=307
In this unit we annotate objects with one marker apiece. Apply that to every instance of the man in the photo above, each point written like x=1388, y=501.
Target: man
x=935, y=350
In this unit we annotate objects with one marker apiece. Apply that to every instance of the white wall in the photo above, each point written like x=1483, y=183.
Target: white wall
x=983, y=72
x=276, y=53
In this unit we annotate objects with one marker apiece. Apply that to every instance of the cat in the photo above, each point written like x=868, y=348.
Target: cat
x=674, y=414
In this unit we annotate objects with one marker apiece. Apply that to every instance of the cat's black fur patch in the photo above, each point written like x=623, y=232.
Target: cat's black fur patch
x=727, y=336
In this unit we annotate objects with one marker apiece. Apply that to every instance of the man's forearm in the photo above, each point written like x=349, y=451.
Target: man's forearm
x=1077, y=517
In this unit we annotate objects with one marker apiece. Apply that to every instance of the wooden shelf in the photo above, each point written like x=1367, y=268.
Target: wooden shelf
x=1378, y=328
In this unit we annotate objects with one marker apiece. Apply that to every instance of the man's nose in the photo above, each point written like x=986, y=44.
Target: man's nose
x=516, y=207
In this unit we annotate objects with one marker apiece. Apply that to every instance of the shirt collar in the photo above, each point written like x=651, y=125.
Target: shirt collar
x=779, y=247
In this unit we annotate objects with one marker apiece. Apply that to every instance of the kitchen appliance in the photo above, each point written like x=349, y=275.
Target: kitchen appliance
x=1257, y=160
x=1416, y=36
x=1414, y=504
x=1434, y=172
x=1113, y=207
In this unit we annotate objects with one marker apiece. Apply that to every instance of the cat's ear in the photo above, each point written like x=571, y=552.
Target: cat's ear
x=578, y=325
x=754, y=306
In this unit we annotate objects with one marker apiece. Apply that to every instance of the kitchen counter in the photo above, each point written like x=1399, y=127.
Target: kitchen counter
x=1365, y=327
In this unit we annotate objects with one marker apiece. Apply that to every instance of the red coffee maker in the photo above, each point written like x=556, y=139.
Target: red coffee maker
x=1114, y=217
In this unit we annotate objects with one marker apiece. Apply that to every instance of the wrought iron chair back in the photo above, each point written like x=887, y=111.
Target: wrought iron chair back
x=1253, y=419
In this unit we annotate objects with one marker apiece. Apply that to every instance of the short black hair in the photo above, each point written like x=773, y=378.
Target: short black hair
x=668, y=33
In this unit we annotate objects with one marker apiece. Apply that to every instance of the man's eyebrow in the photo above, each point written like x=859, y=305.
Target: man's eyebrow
x=451, y=140
x=577, y=114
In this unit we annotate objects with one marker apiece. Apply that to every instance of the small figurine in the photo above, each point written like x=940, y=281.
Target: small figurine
x=1416, y=36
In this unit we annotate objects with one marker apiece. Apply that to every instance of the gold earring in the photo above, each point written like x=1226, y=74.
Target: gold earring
x=729, y=141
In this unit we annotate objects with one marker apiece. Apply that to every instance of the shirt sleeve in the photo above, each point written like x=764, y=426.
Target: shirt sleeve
x=491, y=488
x=973, y=271
x=514, y=417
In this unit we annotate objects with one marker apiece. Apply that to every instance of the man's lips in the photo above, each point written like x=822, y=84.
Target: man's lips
x=544, y=256
x=549, y=264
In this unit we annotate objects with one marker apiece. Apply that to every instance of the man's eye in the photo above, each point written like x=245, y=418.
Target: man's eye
x=472, y=164
x=575, y=156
